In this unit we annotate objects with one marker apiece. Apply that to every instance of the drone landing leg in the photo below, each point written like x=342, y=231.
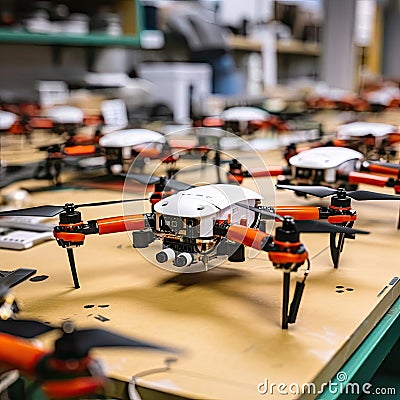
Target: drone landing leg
x=398, y=222
x=73, y=268
x=285, y=301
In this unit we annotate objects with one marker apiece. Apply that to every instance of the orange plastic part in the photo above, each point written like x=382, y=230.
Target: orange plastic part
x=72, y=388
x=248, y=236
x=80, y=150
x=339, y=143
x=394, y=138
x=70, y=236
x=287, y=258
x=121, y=224
x=269, y=171
x=19, y=354
x=298, y=212
x=213, y=122
x=41, y=123
x=338, y=219
x=360, y=177
x=381, y=169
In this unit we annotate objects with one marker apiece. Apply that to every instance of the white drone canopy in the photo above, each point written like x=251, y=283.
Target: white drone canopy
x=66, y=115
x=359, y=129
x=244, y=114
x=7, y=119
x=131, y=137
x=324, y=157
x=203, y=201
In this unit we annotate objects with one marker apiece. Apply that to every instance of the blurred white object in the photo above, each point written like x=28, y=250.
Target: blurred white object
x=65, y=115
x=52, y=92
x=39, y=22
x=115, y=115
x=131, y=137
x=7, y=119
x=175, y=82
x=17, y=198
x=77, y=23
x=244, y=114
x=364, y=22
x=357, y=129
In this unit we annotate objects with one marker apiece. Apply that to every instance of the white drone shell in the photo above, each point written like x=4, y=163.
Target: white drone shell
x=324, y=157
x=7, y=119
x=66, y=115
x=203, y=201
x=131, y=137
x=244, y=114
x=359, y=129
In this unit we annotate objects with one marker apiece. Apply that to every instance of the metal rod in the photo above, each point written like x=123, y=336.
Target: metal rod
x=285, y=301
x=73, y=268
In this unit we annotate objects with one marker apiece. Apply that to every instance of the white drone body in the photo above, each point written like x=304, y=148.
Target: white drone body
x=187, y=219
x=243, y=115
x=66, y=115
x=325, y=161
x=357, y=130
x=7, y=119
x=123, y=146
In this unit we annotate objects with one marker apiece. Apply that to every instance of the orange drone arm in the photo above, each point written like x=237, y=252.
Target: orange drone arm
x=360, y=177
x=19, y=354
x=121, y=224
x=381, y=169
x=72, y=388
x=80, y=150
x=394, y=138
x=269, y=171
x=298, y=212
x=247, y=236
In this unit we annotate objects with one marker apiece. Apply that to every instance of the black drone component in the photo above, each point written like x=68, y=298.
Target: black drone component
x=323, y=191
x=287, y=232
x=26, y=329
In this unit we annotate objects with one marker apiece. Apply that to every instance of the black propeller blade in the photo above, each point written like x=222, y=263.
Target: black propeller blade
x=308, y=226
x=323, y=191
x=10, y=279
x=151, y=180
x=78, y=343
x=52, y=211
x=24, y=328
x=40, y=211
x=361, y=195
x=262, y=212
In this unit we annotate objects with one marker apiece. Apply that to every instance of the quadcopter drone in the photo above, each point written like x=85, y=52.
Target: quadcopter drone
x=201, y=224
x=332, y=166
x=373, y=140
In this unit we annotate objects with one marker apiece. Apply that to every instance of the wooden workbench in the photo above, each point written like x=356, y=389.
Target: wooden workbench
x=228, y=319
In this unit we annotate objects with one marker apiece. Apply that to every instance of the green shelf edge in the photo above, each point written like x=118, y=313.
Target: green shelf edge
x=370, y=354
x=21, y=37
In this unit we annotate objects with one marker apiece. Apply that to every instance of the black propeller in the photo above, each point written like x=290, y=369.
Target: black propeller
x=323, y=191
x=76, y=343
x=153, y=180
x=52, y=211
x=24, y=328
x=307, y=226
